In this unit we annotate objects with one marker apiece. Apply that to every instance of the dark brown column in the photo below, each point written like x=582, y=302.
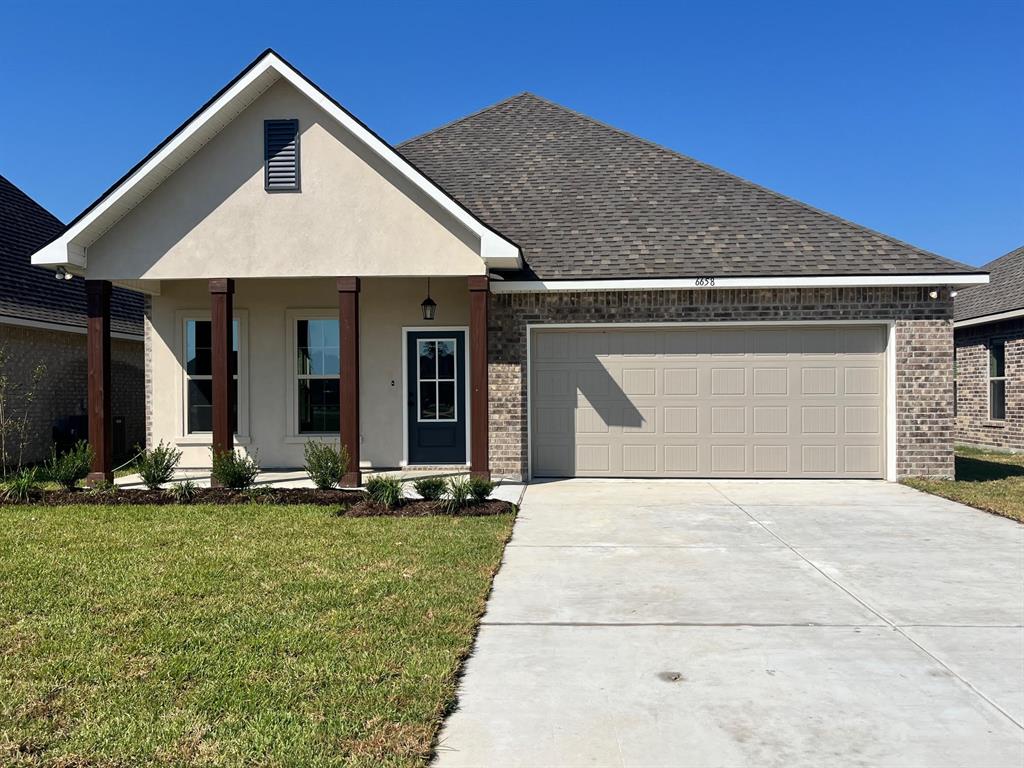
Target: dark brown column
x=348, y=319
x=479, y=463
x=222, y=292
x=98, y=355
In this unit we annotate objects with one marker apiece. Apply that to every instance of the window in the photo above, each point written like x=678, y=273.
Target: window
x=281, y=155
x=317, y=367
x=437, y=380
x=199, y=375
x=997, y=380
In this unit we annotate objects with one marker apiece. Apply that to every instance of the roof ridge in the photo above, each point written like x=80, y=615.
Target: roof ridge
x=748, y=182
x=471, y=115
x=1008, y=255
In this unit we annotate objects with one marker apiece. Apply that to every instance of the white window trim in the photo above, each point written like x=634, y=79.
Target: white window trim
x=437, y=381
x=990, y=378
x=292, y=317
x=184, y=437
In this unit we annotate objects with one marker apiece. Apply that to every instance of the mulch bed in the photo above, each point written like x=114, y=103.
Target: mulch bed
x=349, y=503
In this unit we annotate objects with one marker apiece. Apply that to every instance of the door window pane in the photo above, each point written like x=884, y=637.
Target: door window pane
x=319, y=405
x=446, y=359
x=428, y=361
x=428, y=401
x=446, y=400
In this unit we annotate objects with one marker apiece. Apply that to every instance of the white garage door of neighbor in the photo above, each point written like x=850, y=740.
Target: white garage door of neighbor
x=622, y=401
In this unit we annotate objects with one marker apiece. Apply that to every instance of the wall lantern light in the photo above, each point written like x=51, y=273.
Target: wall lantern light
x=429, y=306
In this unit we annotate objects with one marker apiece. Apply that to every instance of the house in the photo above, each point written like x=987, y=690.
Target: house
x=525, y=292
x=989, y=333
x=42, y=323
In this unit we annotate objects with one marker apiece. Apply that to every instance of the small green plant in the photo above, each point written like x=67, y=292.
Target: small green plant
x=185, y=491
x=156, y=466
x=260, y=495
x=21, y=487
x=326, y=463
x=234, y=469
x=458, y=494
x=386, y=490
x=480, y=489
x=104, y=488
x=429, y=488
x=68, y=468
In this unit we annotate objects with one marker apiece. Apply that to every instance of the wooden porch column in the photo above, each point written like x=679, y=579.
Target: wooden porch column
x=222, y=292
x=98, y=356
x=479, y=463
x=348, y=323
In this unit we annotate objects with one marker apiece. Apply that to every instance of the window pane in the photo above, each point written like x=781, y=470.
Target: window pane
x=428, y=363
x=317, y=347
x=428, y=401
x=200, y=405
x=997, y=358
x=446, y=359
x=197, y=347
x=997, y=399
x=446, y=400
x=319, y=405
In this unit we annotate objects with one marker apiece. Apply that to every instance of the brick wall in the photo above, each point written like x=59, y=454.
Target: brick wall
x=973, y=425
x=62, y=390
x=924, y=338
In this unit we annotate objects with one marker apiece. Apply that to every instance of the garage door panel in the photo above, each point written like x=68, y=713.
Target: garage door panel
x=678, y=402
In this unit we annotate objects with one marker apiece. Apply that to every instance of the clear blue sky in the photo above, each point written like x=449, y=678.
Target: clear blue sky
x=904, y=116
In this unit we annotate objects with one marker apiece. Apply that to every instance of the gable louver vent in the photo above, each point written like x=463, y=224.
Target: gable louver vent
x=281, y=155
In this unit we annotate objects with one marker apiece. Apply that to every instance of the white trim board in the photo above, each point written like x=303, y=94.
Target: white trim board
x=70, y=249
x=995, y=318
x=702, y=284
x=890, y=372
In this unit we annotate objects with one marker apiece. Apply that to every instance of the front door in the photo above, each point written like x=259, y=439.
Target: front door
x=436, y=396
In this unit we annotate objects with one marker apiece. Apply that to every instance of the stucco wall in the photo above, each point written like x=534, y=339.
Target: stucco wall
x=973, y=425
x=924, y=338
x=353, y=216
x=386, y=305
x=62, y=389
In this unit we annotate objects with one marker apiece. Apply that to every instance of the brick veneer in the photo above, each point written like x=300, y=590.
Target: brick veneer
x=972, y=423
x=62, y=391
x=924, y=344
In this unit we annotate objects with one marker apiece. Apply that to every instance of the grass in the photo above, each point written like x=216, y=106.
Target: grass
x=987, y=480
x=233, y=635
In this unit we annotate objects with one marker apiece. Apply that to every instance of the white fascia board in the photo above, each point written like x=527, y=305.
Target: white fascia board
x=69, y=250
x=1013, y=313
x=703, y=283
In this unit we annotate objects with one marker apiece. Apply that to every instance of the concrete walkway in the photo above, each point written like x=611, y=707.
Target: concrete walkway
x=747, y=623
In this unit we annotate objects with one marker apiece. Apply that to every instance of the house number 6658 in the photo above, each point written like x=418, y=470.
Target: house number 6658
x=704, y=282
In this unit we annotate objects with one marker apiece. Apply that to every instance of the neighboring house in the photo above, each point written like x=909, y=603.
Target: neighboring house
x=990, y=357
x=600, y=306
x=42, y=322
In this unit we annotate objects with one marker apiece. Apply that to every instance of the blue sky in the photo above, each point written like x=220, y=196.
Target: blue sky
x=903, y=116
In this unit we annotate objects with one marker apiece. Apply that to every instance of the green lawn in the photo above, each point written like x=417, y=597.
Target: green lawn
x=243, y=635
x=984, y=479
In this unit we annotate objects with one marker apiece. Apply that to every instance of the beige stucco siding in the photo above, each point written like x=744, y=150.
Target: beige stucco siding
x=353, y=216
x=267, y=308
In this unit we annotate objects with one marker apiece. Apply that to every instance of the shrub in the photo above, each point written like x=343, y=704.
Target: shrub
x=156, y=466
x=184, y=491
x=326, y=463
x=234, y=469
x=430, y=488
x=21, y=487
x=480, y=489
x=69, y=467
x=104, y=488
x=386, y=490
x=457, y=494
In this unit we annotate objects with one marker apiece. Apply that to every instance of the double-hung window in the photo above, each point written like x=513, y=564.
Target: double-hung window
x=997, y=380
x=199, y=375
x=317, y=367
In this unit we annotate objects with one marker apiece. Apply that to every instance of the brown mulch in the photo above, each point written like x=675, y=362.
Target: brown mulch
x=349, y=503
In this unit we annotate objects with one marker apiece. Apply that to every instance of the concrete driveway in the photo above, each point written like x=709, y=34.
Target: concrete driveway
x=747, y=623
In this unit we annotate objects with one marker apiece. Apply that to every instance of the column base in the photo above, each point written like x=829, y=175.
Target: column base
x=352, y=479
x=95, y=478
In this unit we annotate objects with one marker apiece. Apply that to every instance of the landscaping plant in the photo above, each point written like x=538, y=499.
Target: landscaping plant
x=385, y=490
x=326, y=463
x=429, y=488
x=458, y=494
x=234, y=469
x=156, y=466
x=68, y=468
x=184, y=491
x=21, y=487
x=480, y=489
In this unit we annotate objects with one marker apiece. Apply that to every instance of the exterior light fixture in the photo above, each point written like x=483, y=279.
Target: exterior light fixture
x=63, y=274
x=429, y=306
x=952, y=294
x=934, y=294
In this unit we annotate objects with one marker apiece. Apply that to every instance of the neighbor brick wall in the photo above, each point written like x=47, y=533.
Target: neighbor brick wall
x=924, y=339
x=62, y=391
x=972, y=423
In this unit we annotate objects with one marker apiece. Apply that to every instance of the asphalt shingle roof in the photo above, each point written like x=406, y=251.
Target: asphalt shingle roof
x=32, y=293
x=585, y=200
x=1004, y=292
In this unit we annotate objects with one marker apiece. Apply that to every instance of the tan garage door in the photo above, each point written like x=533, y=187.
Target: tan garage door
x=696, y=402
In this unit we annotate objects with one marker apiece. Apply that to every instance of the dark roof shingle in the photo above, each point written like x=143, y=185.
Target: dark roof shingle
x=585, y=200
x=1004, y=292
x=32, y=293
